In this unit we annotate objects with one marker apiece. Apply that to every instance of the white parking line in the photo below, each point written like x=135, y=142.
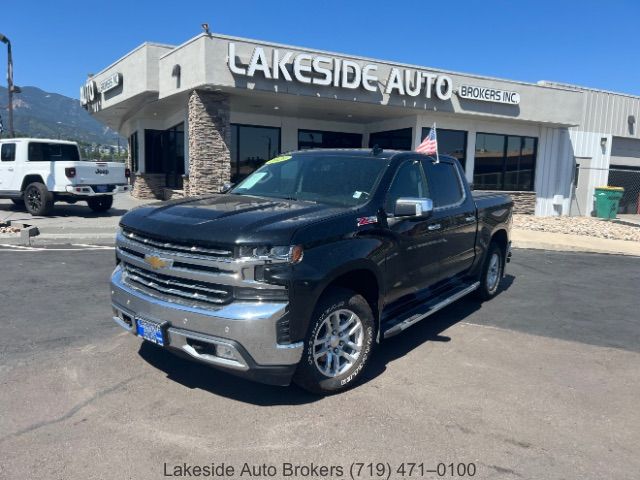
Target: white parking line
x=81, y=248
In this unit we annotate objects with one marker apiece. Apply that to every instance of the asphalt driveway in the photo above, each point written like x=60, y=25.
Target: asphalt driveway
x=540, y=382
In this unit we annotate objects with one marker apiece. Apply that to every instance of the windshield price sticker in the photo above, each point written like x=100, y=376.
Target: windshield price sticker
x=353, y=471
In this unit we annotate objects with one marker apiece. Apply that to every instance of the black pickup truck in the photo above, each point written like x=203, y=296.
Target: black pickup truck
x=313, y=260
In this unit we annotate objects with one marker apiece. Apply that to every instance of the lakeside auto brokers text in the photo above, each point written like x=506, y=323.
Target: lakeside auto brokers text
x=353, y=471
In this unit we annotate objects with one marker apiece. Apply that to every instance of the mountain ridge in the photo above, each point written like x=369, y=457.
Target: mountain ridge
x=36, y=113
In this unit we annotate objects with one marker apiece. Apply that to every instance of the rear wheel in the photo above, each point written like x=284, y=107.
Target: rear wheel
x=339, y=343
x=491, y=272
x=100, y=204
x=37, y=199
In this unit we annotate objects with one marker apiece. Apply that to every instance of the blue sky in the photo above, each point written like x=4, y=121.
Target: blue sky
x=589, y=43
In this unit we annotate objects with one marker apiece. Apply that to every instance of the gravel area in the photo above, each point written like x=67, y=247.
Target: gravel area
x=587, y=226
x=4, y=228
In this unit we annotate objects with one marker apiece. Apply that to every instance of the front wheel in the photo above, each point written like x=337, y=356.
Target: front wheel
x=339, y=343
x=100, y=204
x=492, y=271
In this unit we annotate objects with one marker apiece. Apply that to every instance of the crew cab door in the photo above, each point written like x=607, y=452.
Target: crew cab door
x=8, y=173
x=414, y=264
x=455, y=214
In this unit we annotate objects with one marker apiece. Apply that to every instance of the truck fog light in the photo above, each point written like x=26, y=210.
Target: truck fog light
x=224, y=351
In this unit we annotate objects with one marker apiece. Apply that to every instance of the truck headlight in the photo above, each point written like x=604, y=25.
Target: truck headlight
x=289, y=253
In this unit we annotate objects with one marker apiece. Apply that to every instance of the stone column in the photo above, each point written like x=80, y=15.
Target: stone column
x=209, y=142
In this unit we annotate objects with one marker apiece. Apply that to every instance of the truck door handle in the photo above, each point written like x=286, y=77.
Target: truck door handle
x=434, y=226
x=470, y=218
x=10, y=169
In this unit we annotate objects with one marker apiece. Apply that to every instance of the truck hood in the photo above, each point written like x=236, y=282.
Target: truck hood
x=228, y=219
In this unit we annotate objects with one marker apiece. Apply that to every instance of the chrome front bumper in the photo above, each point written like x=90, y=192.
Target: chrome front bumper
x=245, y=330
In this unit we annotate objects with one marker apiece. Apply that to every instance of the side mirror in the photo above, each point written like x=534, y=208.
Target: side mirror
x=413, y=207
x=226, y=187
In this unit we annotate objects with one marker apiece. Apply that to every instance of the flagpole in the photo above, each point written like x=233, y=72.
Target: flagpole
x=435, y=131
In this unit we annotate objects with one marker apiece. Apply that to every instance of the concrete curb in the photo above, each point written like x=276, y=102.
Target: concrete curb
x=561, y=242
x=23, y=238
x=567, y=248
x=75, y=238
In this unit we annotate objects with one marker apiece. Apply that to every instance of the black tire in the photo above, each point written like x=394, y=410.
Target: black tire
x=489, y=284
x=18, y=202
x=101, y=203
x=337, y=303
x=37, y=199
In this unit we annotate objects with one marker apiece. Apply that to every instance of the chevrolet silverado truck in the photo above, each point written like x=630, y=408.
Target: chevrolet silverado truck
x=317, y=257
x=35, y=173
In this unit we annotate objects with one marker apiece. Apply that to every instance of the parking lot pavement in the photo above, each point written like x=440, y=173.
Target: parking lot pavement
x=72, y=223
x=540, y=382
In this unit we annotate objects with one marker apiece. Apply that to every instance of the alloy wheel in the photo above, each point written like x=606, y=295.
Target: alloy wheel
x=34, y=199
x=338, y=343
x=493, y=272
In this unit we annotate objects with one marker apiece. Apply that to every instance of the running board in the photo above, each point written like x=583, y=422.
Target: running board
x=428, y=309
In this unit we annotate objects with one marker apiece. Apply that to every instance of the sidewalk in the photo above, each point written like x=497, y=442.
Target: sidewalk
x=572, y=243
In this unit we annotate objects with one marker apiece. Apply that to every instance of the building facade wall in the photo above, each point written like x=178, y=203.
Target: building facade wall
x=610, y=112
x=592, y=152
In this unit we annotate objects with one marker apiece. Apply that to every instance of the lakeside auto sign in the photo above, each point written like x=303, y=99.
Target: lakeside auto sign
x=323, y=70
x=90, y=92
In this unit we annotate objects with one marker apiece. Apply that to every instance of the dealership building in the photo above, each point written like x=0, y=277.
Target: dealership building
x=215, y=108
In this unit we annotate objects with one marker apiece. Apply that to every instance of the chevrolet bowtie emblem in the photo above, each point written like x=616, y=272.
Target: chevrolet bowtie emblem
x=157, y=262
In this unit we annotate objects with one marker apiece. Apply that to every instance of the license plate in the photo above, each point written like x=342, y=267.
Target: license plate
x=102, y=188
x=150, y=331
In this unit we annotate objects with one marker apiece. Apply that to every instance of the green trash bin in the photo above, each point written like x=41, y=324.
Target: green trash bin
x=607, y=201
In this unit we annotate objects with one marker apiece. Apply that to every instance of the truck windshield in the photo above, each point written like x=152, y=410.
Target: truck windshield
x=52, y=152
x=335, y=179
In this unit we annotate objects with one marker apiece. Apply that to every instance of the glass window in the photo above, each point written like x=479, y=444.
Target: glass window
x=489, y=163
x=133, y=150
x=333, y=179
x=392, y=139
x=451, y=142
x=527, y=164
x=319, y=139
x=8, y=152
x=164, y=153
x=445, y=183
x=504, y=162
x=408, y=182
x=153, y=151
x=251, y=147
x=52, y=152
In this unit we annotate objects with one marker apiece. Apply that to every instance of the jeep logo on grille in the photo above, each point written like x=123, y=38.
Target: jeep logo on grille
x=102, y=171
x=157, y=263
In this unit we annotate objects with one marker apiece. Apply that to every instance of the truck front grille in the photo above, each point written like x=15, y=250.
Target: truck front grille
x=176, y=247
x=191, y=275
x=176, y=289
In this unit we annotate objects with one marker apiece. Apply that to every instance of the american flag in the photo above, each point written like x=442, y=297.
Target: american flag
x=429, y=145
